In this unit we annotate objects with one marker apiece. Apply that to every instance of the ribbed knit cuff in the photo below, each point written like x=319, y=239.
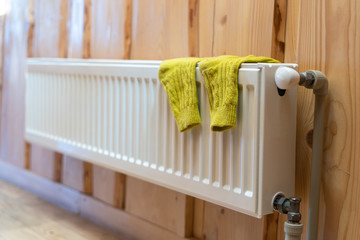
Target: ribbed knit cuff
x=224, y=118
x=188, y=118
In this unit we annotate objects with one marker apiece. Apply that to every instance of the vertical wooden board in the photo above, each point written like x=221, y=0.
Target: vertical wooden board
x=206, y=27
x=47, y=19
x=77, y=174
x=164, y=207
x=160, y=29
x=328, y=40
x=224, y=224
x=198, y=218
x=13, y=84
x=76, y=28
x=242, y=27
x=108, y=186
x=43, y=162
x=108, y=28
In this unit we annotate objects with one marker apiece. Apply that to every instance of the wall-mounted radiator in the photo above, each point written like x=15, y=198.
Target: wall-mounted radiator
x=116, y=114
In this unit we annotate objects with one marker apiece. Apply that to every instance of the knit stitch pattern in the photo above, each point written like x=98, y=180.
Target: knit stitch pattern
x=178, y=78
x=221, y=83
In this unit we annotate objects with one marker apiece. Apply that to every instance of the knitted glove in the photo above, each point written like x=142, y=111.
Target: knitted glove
x=178, y=78
x=221, y=82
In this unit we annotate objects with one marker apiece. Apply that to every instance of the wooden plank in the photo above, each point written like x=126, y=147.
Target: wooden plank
x=206, y=27
x=45, y=162
x=160, y=30
x=88, y=207
x=27, y=155
x=25, y=216
x=278, y=36
x=47, y=19
x=13, y=85
x=242, y=27
x=330, y=44
x=108, y=19
x=63, y=31
x=87, y=29
x=77, y=174
x=30, y=37
x=221, y=223
x=109, y=186
x=56, y=193
x=128, y=225
x=198, y=218
x=193, y=28
x=161, y=206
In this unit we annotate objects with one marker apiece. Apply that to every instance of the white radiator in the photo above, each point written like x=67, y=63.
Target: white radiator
x=116, y=114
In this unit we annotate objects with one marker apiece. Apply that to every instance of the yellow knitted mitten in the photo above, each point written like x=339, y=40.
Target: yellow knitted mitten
x=221, y=82
x=178, y=78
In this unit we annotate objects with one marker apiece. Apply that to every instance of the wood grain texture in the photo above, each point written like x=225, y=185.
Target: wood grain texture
x=43, y=162
x=25, y=216
x=221, y=223
x=63, y=30
x=77, y=174
x=108, y=28
x=84, y=205
x=328, y=40
x=242, y=27
x=160, y=29
x=109, y=186
x=13, y=84
x=76, y=13
x=47, y=34
x=161, y=206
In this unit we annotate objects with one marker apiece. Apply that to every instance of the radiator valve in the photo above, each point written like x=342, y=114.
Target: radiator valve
x=289, y=206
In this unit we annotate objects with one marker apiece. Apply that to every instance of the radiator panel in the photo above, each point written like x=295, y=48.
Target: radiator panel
x=116, y=114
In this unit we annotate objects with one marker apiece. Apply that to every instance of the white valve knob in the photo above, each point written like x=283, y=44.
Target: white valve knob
x=286, y=78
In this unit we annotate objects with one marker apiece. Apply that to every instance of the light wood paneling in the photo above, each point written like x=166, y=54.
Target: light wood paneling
x=108, y=28
x=242, y=27
x=86, y=206
x=164, y=207
x=46, y=163
x=13, y=87
x=222, y=223
x=109, y=186
x=77, y=174
x=49, y=21
x=328, y=40
x=160, y=29
x=76, y=13
x=25, y=216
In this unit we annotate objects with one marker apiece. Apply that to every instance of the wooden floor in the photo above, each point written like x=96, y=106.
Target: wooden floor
x=26, y=216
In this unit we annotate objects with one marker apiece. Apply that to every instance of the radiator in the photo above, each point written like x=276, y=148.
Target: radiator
x=115, y=114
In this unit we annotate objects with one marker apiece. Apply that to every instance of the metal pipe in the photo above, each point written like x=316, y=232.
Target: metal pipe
x=320, y=87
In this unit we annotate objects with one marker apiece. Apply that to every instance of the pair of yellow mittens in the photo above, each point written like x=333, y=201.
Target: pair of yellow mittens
x=221, y=81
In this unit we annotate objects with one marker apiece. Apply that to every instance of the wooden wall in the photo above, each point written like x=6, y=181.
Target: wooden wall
x=316, y=34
